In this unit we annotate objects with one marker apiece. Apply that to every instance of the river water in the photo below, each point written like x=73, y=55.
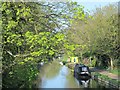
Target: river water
x=54, y=75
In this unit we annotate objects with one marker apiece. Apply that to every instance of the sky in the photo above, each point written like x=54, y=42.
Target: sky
x=92, y=4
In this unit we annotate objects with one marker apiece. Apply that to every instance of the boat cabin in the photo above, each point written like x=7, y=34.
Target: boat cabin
x=82, y=71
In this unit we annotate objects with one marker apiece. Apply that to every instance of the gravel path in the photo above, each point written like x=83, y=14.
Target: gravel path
x=110, y=75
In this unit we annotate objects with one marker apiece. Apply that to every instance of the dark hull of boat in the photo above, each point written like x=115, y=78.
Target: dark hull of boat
x=82, y=76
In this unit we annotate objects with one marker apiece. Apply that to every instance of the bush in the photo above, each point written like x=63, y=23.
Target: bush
x=20, y=75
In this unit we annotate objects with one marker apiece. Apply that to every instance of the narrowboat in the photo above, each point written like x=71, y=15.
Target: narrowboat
x=82, y=72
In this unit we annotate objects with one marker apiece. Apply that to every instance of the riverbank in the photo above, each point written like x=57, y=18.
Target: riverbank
x=106, y=81
x=104, y=76
x=104, y=72
x=94, y=69
x=110, y=79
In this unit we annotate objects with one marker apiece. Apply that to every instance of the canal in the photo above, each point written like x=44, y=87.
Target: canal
x=54, y=75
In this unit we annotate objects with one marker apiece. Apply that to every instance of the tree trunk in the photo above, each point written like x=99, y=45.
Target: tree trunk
x=111, y=63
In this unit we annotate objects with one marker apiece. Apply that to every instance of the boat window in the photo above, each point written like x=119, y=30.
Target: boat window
x=84, y=68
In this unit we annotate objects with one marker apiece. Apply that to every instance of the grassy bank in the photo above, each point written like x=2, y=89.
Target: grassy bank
x=105, y=79
x=115, y=71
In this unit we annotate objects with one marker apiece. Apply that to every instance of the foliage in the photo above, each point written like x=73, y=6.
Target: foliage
x=24, y=41
x=31, y=34
x=92, y=61
x=114, y=71
x=40, y=31
x=98, y=34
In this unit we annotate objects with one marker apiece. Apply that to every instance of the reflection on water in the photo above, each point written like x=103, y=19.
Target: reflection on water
x=84, y=83
x=56, y=76
x=56, y=81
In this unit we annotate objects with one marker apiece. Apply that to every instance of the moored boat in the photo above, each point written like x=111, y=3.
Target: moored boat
x=82, y=72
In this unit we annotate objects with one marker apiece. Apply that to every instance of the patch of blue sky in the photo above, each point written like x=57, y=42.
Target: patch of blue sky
x=91, y=5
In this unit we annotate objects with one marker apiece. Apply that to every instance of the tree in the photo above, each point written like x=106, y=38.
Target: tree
x=99, y=34
x=31, y=34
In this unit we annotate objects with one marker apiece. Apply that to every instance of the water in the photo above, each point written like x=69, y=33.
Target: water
x=57, y=82
x=55, y=75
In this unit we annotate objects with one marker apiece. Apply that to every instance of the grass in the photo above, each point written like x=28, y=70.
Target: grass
x=115, y=71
